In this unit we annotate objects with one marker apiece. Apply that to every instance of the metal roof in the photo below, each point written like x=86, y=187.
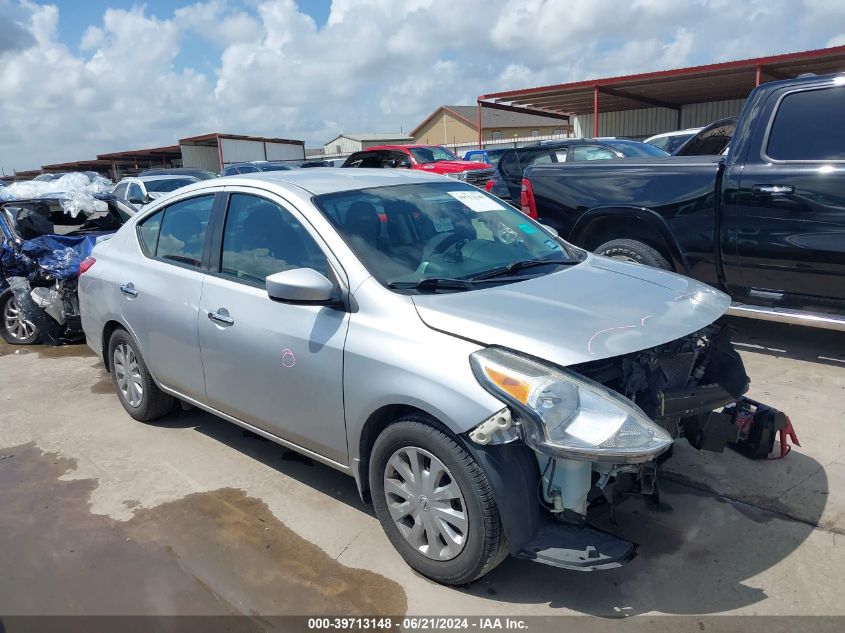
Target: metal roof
x=213, y=137
x=672, y=88
x=374, y=136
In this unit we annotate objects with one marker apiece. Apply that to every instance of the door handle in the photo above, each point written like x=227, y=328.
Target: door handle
x=773, y=190
x=129, y=290
x=222, y=317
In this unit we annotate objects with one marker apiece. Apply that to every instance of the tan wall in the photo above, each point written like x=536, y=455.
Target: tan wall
x=445, y=128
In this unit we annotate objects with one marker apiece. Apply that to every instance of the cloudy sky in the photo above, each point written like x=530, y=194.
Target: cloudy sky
x=79, y=78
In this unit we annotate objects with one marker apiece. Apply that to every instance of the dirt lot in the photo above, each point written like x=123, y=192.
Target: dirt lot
x=104, y=515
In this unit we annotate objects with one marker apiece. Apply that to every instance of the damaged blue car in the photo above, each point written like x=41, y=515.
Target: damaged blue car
x=41, y=249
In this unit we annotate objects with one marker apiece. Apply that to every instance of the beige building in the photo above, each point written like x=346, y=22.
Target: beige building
x=457, y=124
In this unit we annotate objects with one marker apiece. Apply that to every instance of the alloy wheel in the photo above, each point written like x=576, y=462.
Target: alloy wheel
x=127, y=372
x=18, y=327
x=426, y=503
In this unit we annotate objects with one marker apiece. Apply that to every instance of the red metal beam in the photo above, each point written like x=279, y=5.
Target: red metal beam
x=757, y=75
x=749, y=64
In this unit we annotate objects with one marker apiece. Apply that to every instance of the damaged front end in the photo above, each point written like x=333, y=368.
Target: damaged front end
x=598, y=430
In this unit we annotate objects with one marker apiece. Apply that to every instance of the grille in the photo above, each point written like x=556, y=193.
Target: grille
x=479, y=177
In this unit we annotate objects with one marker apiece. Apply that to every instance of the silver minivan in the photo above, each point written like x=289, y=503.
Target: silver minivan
x=482, y=380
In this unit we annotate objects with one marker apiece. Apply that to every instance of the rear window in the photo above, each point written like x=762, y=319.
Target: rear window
x=805, y=126
x=169, y=184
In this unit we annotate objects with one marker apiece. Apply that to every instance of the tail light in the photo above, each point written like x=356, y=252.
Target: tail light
x=488, y=186
x=86, y=264
x=526, y=199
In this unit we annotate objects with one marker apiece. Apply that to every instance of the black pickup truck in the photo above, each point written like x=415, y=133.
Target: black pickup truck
x=765, y=223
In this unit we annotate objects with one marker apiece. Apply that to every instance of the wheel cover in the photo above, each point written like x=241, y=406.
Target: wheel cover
x=127, y=372
x=425, y=503
x=15, y=323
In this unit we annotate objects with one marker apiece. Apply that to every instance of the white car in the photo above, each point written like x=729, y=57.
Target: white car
x=144, y=189
x=670, y=141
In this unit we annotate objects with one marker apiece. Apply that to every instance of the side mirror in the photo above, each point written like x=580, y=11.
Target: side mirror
x=136, y=200
x=299, y=285
x=551, y=230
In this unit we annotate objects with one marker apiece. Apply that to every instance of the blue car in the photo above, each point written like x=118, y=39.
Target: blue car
x=489, y=156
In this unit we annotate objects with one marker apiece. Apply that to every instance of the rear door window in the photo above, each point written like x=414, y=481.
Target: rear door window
x=177, y=234
x=805, y=128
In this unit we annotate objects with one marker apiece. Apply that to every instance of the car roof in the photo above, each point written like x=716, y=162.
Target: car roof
x=161, y=177
x=328, y=179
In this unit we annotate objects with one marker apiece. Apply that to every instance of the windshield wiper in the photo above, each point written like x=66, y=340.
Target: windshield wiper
x=432, y=283
x=521, y=265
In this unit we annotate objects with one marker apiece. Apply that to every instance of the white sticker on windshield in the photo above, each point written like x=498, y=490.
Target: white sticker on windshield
x=476, y=200
x=443, y=225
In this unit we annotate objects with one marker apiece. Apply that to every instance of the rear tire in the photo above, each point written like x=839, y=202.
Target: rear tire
x=470, y=541
x=635, y=252
x=132, y=381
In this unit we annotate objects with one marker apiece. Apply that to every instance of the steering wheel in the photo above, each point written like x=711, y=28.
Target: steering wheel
x=439, y=244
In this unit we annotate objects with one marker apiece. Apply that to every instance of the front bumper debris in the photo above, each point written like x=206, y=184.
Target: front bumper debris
x=577, y=547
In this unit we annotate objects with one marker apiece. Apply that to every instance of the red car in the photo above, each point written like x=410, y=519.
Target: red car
x=433, y=158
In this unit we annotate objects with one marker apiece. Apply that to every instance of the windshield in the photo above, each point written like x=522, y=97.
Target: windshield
x=407, y=233
x=433, y=154
x=632, y=149
x=169, y=184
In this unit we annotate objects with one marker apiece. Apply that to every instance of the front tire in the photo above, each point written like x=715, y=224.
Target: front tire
x=14, y=327
x=435, y=502
x=635, y=252
x=132, y=381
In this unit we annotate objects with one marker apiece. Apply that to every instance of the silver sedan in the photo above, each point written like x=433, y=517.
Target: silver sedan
x=474, y=373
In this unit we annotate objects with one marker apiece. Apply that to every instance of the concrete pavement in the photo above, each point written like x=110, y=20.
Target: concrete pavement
x=200, y=517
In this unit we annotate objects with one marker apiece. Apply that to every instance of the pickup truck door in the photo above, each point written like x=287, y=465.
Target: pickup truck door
x=790, y=203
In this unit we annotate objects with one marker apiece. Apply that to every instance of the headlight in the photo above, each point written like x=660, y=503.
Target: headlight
x=566, y=415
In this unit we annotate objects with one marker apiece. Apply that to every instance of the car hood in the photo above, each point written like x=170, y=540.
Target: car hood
x=597, y=309
x=452, y=166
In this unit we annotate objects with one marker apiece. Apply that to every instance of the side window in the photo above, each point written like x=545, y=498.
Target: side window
x=590, y=152
x=182, y=235
x=148, y=233
x=135, y=192
x=536, y=158
x=663, y=143
x=803, y=128
x=120, y=191
x=560, y=155
x=247, y=169
x=261, y=238
x=509, y=166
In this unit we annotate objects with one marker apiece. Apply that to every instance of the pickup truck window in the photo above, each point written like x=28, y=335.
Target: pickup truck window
x=591, y=152
x=806, y=126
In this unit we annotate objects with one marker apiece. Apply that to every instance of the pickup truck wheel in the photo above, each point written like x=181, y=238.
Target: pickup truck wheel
x=635, y=252
x=14, y=327
x=435, y=502
x=135, y=387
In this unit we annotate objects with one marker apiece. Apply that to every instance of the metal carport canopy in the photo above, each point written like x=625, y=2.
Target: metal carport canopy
x=666, y=88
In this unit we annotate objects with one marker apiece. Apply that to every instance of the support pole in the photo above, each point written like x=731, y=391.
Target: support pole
x=595, y=111
x=478, y=123
x=758, y=75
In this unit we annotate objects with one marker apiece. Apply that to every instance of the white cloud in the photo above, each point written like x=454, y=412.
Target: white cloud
x=375, y=64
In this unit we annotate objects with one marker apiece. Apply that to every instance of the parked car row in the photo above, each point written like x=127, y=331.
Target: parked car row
x=764, y=223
